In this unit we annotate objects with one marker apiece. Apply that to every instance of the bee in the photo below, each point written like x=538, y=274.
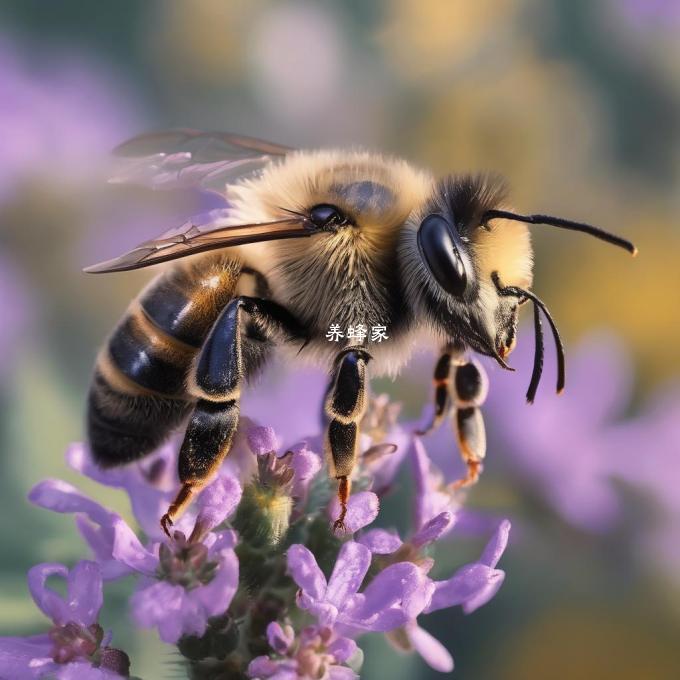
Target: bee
x=309, y=239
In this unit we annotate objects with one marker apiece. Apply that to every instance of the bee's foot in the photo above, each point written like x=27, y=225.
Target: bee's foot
x=166, y=521
x=339, y=525
x=474, y=470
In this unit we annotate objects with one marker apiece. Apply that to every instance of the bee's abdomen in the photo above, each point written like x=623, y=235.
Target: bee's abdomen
x=138, y=393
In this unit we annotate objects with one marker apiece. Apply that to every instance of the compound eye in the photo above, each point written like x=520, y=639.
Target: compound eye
x=441, y=247
x=326, y=216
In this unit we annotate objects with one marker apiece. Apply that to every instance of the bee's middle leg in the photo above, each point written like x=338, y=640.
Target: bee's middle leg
x=345, y=405
x=216, y=382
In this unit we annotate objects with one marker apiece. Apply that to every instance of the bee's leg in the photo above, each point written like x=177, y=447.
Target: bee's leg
x=469, y=389
x=442, y=391
x=215, y=381
x=345, y=406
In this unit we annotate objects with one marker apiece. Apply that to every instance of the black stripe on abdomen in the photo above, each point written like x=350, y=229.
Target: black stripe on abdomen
x=123, y=427
x=149, y=358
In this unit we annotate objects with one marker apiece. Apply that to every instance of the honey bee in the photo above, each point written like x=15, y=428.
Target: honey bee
x=309, y=239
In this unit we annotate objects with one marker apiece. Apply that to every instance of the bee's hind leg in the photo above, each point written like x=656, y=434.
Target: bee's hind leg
x=215, y=381
x=469, y=390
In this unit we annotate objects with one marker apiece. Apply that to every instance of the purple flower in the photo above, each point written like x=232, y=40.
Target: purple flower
x=316, y=653
x=60, y=114
x=151, y=484
x=471, y=586
x=76, y=645
x=294, y=470
x=395, y=596
x=183, y=581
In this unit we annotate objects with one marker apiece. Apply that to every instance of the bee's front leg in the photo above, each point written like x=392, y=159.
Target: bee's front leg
x=442, y=390
x=345, y=406
x=215, y=381
x=469, y=389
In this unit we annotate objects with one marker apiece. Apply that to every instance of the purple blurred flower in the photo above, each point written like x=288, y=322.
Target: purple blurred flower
x=17, y=304
x=643, y=452
x=58, y=112
x=76, y=645
x=316, y=653
x=557, y=444
x=395, y=596
x=183, y=581
x=651, y=12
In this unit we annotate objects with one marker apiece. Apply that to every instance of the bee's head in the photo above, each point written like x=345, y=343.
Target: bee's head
x=467, y=263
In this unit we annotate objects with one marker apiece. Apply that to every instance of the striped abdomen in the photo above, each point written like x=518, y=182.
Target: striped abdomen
x=138, y=394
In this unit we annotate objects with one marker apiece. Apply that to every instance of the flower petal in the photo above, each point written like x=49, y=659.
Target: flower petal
x=475, y=583
x=26, y=657
x=496, y=546
x=47, y=600
x=128, y=549
x=85, y=597
x=429, y=499
x=217, y=501
x=380, y=541
x=402, y=585
x=280, y=639
x=59, y=496
x=159, y=604
x=341, y=673
x=433, y=529
x=262, y=440
x=79, y=669
x=349, y=571
x=342, y=649
x=433, y=652
x=306, y=465
x=216, y=596
x=305, y=571
x=115, y=535
x=362, y=509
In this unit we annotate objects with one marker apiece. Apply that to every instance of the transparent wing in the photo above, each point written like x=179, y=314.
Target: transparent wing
x=183, y=158
x=209, y=231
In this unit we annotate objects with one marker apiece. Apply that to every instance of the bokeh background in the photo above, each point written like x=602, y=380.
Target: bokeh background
x=576, y=102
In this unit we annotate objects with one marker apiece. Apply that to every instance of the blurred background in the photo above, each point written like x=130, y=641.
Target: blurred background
x=576, y=102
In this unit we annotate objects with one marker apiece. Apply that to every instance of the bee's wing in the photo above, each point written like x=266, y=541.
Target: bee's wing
x=182, y=158
x=207, y=232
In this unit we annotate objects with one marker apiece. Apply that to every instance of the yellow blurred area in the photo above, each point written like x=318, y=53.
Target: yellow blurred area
x=426, y=39
x=571, y=643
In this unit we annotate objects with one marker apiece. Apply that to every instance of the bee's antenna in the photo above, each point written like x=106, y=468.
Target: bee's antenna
x=538, y=332
x=564, y=224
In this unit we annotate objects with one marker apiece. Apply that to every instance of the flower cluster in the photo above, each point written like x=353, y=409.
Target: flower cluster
x=253, y=580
